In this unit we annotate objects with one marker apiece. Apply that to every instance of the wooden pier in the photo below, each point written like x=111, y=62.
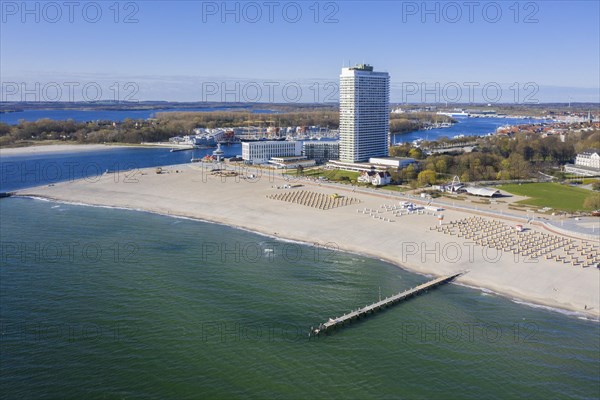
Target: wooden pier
x=334, y=322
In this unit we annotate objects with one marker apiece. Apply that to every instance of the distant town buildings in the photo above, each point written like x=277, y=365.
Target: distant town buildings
x=587, y=163
x=570, y=119
x=455, y=113
x=201, y=137
x=321, y=152
x=261, y=152
x=364, y=113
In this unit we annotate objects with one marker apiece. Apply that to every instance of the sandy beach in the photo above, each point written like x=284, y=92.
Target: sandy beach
x=409, y=241
x=55, y=148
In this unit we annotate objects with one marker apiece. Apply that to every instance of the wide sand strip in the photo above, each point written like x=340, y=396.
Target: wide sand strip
x=410, y=241
x=58, y=148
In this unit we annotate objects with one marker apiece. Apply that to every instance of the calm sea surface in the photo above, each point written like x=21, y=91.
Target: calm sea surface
x=107, y=303
x=464, y=126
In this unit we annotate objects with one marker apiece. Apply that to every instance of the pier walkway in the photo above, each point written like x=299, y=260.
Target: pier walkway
x=334, y=322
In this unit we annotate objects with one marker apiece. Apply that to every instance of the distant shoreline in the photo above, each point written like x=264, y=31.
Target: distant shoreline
x=60, y=148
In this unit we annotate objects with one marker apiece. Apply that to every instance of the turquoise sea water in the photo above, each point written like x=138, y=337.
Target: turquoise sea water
x=107, y=303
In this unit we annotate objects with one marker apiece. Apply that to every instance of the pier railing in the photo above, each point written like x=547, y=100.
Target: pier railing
x=337, y=321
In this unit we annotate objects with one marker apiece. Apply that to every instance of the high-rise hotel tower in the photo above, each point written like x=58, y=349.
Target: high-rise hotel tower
x=364, y=113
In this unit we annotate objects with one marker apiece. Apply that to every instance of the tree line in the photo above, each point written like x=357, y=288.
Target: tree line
x=495, y=158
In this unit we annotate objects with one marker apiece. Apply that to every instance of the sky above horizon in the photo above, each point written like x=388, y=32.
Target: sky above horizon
x=272, y=51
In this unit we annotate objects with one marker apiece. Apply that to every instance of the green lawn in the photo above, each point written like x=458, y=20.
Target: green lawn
x=553, y=195
x=395, y=188
x=331, y=174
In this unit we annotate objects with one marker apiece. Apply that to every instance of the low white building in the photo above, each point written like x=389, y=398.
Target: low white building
x=379, y=164
x=589, y=158
x=211, y=135
x=292, y=162
x=357, y=167
x=394, y=162
x=375, y=178
x=587, y=163
x=482, y=191
x=262, y=151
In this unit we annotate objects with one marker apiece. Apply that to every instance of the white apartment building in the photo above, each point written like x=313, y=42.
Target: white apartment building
x=262, y=151
x=364, y=113
x=587, y=163
x=589, y=158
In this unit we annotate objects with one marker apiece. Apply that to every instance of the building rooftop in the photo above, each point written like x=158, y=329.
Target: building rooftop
x=362, y=67
x=590, y=151
x=393, y=158
x=482, y=191
x=290, y=158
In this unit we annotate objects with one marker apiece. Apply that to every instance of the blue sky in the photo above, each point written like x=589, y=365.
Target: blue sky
x=193, y=50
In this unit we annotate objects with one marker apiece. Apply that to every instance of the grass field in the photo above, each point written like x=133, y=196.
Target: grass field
x=553, y=195
x=331, y=174
x=395, y=188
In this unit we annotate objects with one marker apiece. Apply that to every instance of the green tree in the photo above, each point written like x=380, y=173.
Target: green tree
x=519, y=168
x=592, y=202
x=400, y=150
x=426, y=177
x=465, y=177
x=416, y=153
x=527, y=152
x=503, y=147
x=4, y=129
x=409, y=173
x=514, y=167
x=441, y=166
x=475, y=167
